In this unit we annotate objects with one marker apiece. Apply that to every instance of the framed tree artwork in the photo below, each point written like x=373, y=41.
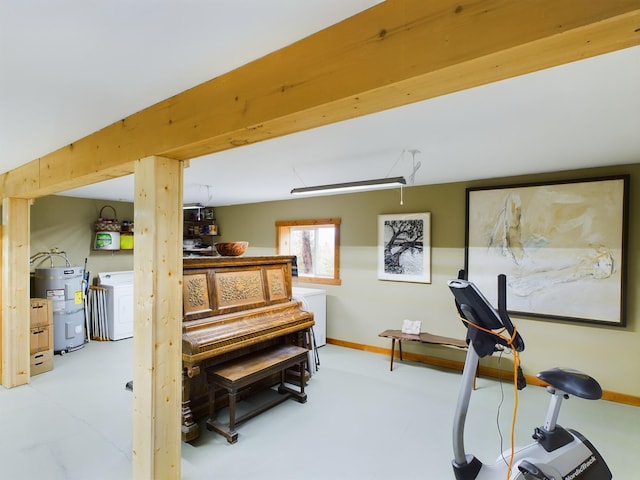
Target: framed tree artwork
x=404, y=247
x=561, y=246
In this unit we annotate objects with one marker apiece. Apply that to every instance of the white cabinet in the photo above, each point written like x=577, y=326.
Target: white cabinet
x=314, y=300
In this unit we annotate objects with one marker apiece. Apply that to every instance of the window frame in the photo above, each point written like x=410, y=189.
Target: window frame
x=283, y=229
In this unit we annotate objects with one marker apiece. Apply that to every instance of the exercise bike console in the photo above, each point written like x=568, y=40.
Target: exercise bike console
x=557, y=453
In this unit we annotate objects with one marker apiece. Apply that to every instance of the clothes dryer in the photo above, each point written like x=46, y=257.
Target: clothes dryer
x=119, y=299
x=314, y=300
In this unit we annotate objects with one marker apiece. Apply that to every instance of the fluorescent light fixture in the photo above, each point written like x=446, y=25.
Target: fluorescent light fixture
x=191, y=206
x=351, y=186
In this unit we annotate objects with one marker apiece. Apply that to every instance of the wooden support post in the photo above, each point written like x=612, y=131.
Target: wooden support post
x=15, y=291
x=1, y=302
x=157, y=378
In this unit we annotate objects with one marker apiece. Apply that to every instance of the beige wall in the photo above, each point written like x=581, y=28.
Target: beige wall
x=363, y=306
x=68, y=224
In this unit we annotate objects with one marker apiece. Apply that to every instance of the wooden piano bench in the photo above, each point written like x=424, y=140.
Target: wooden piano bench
x=237, y=374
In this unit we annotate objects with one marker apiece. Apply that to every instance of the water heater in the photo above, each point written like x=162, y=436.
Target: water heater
x=63, y=286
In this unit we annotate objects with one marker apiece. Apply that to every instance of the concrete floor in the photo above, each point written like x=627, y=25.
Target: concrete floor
x=361, y=421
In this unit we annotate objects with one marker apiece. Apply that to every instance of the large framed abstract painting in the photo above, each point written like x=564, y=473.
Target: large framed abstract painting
x=404, y=247
x=561, y=246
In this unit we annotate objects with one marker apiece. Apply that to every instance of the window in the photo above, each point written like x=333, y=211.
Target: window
x=316, y=244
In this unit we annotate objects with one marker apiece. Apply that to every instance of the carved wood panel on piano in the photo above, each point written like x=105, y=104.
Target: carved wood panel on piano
x=233, y=306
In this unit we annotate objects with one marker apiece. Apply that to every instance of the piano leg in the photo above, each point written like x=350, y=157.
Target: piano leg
x=190, y=429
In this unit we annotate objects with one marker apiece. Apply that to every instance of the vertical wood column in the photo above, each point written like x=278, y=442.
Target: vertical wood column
x=15, y=291
x=157, y=262
x=1, y=302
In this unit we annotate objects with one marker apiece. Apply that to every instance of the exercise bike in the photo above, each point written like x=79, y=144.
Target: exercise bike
x=557, y=453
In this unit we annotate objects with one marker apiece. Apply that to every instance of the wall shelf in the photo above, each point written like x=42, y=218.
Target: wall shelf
x=199, y=229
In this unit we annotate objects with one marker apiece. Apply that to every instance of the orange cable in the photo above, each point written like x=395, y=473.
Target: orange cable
x=516, y=363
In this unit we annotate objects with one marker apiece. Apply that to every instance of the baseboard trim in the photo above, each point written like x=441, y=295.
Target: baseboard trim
x=484, y=371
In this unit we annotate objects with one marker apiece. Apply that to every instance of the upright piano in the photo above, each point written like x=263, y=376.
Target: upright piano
x=233, y=306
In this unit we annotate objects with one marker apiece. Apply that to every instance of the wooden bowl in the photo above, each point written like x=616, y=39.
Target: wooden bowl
x=231, y=249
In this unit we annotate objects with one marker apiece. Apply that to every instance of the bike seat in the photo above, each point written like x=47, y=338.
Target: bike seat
x=573, y=382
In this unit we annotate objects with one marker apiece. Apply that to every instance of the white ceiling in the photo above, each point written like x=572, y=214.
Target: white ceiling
x=71, y=67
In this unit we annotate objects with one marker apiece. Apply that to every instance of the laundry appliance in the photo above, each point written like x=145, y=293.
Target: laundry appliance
x=119, y=302
x=314, y=300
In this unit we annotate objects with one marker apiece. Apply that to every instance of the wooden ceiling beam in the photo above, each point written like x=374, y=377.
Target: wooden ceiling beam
x=393, y=54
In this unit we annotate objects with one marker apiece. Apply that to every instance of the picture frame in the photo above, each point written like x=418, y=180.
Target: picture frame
x=404, y=247
x=562, y=246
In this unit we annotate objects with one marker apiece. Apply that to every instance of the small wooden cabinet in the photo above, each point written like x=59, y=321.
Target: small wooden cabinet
x=41, y=339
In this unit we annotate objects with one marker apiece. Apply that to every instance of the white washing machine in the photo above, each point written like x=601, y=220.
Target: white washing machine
x=119, y=298
x=314, y=300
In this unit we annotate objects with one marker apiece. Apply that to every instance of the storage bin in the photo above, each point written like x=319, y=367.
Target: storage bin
x=41, y=313
x=41, y=362
x=107, y=241
x=41, y=339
